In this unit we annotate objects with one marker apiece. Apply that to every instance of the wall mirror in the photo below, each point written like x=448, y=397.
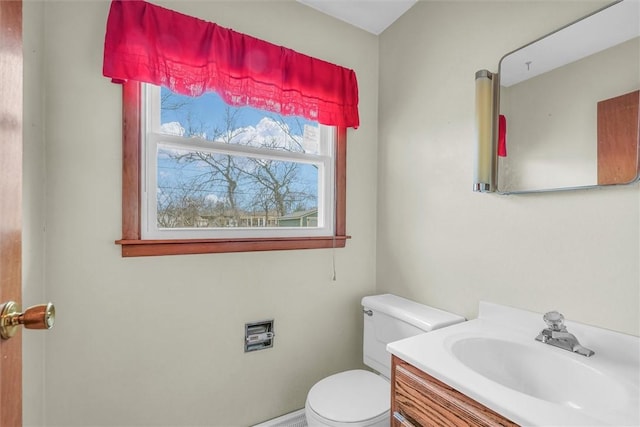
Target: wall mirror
x=570, y=103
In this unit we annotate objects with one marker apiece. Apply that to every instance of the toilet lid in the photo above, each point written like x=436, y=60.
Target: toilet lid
x=350, y=396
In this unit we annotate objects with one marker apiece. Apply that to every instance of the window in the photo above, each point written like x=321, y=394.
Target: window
x=199, y=186
x=211, y=170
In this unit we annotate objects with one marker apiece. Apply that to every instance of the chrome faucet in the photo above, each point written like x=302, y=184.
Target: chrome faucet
x=556, y=335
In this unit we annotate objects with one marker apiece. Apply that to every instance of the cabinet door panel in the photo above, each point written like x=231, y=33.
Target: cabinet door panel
x=422, y=400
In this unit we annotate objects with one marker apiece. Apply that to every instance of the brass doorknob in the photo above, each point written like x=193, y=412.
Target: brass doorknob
x=41, y=316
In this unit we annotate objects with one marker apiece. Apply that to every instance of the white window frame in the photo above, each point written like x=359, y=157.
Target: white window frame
x=152, y=138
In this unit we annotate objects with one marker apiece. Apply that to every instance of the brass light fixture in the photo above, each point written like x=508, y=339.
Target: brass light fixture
x=485, y=156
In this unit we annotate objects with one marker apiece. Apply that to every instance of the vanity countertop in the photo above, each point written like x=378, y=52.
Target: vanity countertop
x=603, y=389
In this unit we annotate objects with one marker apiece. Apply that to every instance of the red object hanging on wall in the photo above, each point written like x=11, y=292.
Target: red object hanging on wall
x=151, y=44
x=502, y=136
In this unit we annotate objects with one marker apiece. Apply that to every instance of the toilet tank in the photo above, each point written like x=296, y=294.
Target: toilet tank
x=389, y=318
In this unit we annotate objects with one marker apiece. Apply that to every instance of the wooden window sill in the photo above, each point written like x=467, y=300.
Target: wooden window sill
x=138, y=248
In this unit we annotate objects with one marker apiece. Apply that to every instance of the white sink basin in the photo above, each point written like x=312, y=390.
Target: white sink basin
x=496, y=361
x=540, y=372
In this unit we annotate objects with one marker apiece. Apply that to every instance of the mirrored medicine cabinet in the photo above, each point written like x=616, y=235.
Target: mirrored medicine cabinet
x=570, y=102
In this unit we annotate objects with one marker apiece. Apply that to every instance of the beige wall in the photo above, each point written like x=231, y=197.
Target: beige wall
x=34, y=216
x=440, y=243
x=159, y=341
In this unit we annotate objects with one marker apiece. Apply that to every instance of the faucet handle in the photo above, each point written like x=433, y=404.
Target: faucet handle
x=554, y=320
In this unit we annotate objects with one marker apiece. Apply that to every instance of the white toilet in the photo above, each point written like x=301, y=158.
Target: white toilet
x=360, y=398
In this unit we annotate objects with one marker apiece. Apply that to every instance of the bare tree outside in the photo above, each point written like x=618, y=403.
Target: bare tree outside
x=204, y=189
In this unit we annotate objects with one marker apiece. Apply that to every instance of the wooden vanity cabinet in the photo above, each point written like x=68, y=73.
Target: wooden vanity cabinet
x=418, y=399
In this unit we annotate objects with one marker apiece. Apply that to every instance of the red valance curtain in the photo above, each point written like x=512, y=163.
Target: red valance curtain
x=151, y=44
